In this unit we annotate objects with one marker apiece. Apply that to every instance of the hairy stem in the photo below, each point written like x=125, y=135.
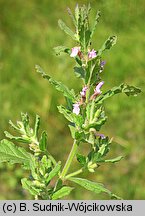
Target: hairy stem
x=69, y=160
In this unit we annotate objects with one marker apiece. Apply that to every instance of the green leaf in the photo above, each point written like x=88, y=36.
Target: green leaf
x=79, y=71
x=46, y=162
x=58, y=85
x=76, y=134
x=13, y=126
x=89, y=185
x=111, y=41
x=78, y=120
x=95, y=23
x=114, y=160
x=87, y=37
x=92, y=186
x=103, y=150
x=37, y=125
x=45, y=166
x=25, y=121
x=43, y=141
x=72, y=17
x=58, y=185
x=64, y=191
x=72, y=130
x=123, y=88
x=97, y=125
x=72, y=117
x=13, y=154
x=67, y=113
x=69, y=103
x=64, y=89
x=54, y=172
x=28, y=185
x=59, y=49
x=66, y=29
x=80, y=136
x=18, y=139
x=77, y=16
x=82, y=37
x=130, y=90
x=81, y=159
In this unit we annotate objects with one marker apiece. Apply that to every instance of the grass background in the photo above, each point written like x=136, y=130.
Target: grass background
x=28, y=32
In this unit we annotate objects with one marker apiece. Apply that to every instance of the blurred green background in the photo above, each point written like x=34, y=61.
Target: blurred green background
x=28, y=33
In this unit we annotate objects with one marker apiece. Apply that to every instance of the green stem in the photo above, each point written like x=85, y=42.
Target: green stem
x=92, y=138
x=74, y=173
x=92, y=111
x=88, y=95
x=91, y=73
x=89, y=81
x=69, y=160
x=36, y=197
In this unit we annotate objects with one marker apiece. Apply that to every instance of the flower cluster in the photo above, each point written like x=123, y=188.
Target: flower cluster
x=76, y=106
x=76, y=51
x=97, y=91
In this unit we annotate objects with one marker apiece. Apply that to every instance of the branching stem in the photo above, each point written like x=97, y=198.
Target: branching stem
x=79, y=171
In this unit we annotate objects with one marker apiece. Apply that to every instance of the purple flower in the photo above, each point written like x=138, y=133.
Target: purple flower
x=102, y=63
x=76, y=108
x=102, y=66
x=75, y=51
x=83, y=92
x=92, y=54
x=97, y=90
x=102, y=136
